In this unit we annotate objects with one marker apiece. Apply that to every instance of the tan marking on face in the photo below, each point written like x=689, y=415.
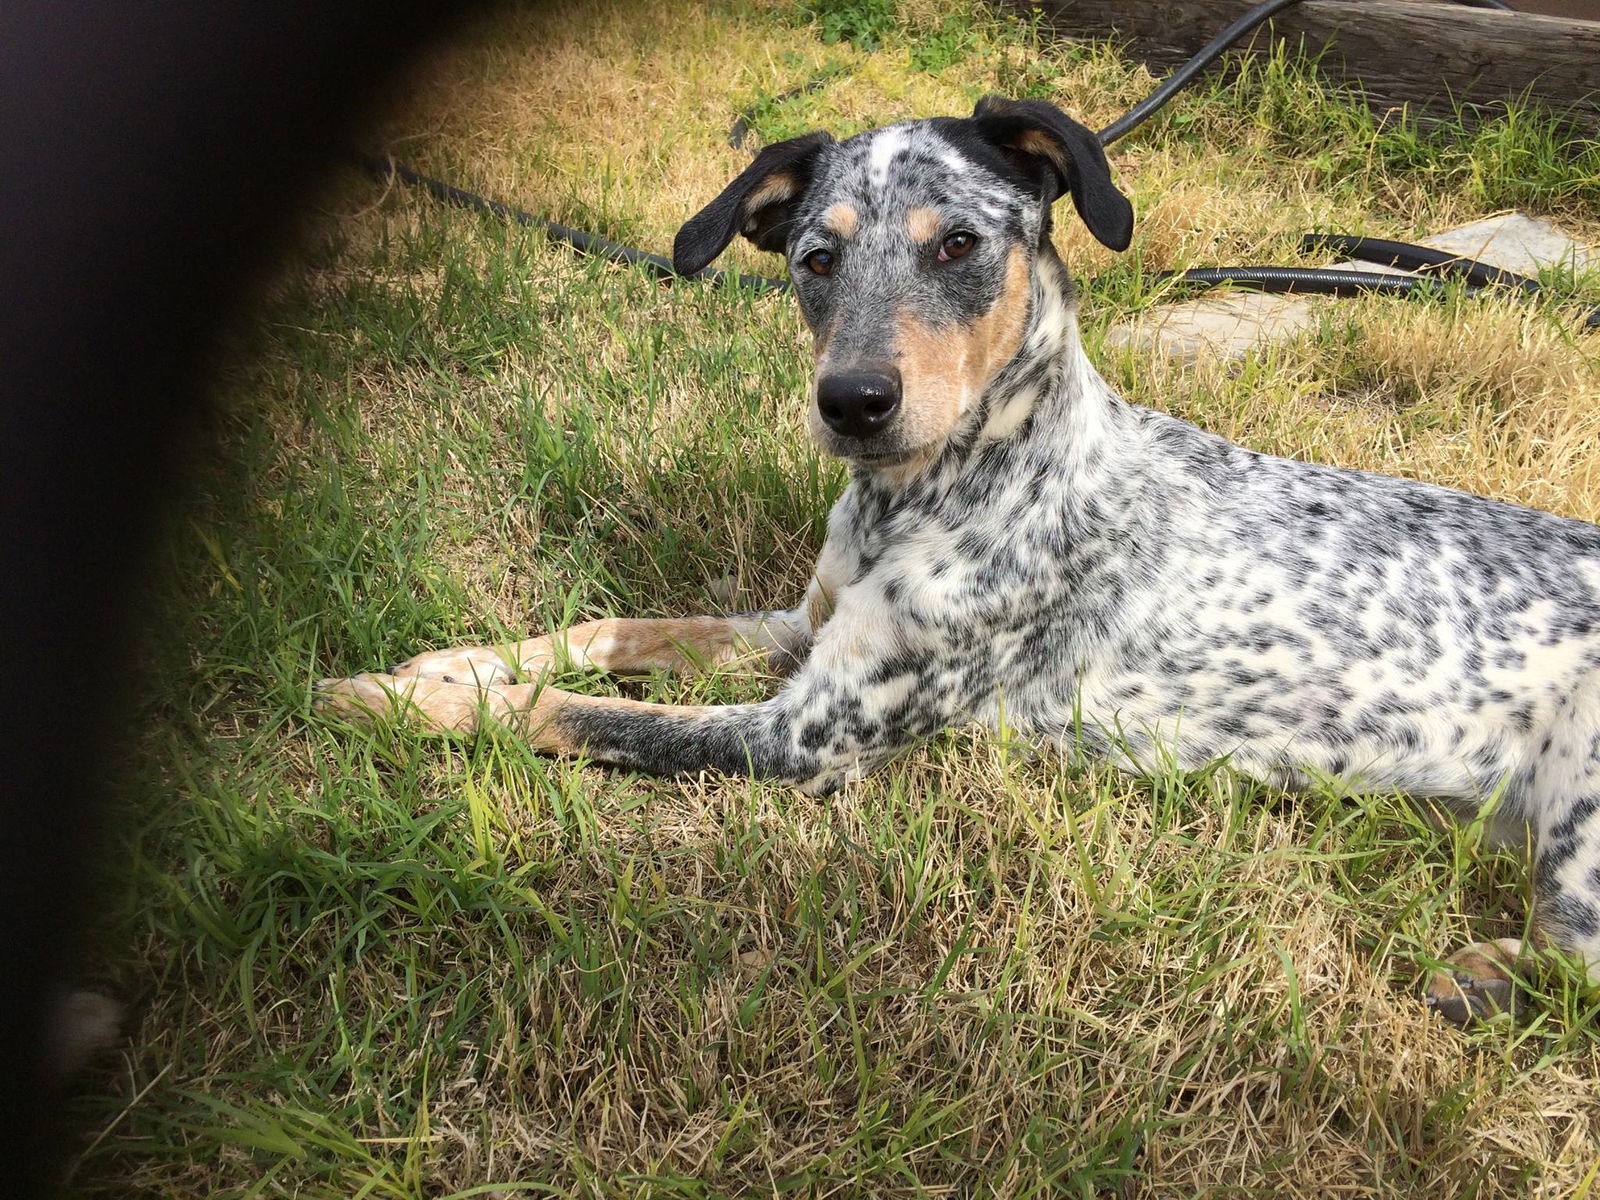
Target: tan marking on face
x=933, y=368
x=922, y=224
x=944, y=370
x=999, y=332
x=842, y=219
x=772, y=190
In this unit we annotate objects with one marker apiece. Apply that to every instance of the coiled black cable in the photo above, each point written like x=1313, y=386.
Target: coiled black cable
x=1334, y=281
x=1328, y=281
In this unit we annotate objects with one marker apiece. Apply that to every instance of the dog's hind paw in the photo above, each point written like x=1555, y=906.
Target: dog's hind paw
x=1478, y=983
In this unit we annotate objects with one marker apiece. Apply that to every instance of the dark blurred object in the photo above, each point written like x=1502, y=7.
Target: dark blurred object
x=151, y=160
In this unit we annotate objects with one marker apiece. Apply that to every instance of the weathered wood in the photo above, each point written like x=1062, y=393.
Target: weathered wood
x=1429, y=56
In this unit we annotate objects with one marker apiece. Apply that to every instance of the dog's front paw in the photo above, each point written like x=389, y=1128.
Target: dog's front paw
x=483, y=666
x=372, y=698
x=1479, y=982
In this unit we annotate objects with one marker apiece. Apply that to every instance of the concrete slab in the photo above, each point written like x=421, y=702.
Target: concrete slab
x=1228, y=324
x=1515, y=242
x=1222, y=326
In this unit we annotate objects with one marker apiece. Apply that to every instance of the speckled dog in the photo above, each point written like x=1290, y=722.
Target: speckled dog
x=1015, y=532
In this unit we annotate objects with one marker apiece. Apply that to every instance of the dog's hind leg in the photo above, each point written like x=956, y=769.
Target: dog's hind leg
x=1565, y=810
x=777, y=639
x=1564, y=807
x=1566, y=857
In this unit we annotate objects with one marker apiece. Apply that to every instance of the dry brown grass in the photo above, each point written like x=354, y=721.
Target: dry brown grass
x=1493, y=399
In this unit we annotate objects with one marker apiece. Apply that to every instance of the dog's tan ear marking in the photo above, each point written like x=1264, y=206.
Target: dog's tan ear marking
x=758, y=204
x=1031, y=141
x=773, y=190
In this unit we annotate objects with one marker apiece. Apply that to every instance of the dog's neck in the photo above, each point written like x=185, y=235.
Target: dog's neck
x=1048, y=389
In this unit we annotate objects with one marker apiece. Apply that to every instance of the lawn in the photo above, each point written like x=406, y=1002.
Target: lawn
x=365, y=965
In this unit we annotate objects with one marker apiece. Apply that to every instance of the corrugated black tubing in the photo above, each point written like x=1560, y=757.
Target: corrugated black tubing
x=1474, y=274
x=1331, y=281
x=1416, y=258
x=1321, y=280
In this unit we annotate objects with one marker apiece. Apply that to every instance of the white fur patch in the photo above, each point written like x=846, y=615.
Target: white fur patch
x=886, y=144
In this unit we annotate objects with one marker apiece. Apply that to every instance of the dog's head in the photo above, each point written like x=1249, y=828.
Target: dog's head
x=911, y=250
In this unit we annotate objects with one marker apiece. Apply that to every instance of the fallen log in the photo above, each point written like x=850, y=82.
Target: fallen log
x=1428, y=56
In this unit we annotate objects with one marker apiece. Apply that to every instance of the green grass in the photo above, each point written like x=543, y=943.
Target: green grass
x=363, y=965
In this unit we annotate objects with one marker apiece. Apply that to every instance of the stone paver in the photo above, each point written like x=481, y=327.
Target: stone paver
x=1226, y=324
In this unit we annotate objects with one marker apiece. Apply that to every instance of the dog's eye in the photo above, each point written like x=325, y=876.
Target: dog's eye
x=819, y=262
x=956, y=245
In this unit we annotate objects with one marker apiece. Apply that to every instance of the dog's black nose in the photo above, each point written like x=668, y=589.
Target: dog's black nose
x=859, y=403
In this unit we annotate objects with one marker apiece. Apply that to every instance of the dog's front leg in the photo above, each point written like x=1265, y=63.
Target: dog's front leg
x=860, y=695
x=783, y=738
x=778, y=639
x=624, y=646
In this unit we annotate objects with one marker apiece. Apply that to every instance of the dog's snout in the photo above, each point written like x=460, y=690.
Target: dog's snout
x=859, y=403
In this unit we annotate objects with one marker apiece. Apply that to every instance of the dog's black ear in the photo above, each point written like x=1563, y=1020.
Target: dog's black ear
x=1039, y=133
x=758, y=204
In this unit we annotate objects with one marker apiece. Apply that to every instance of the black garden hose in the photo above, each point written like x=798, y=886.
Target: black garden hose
x=1327, y=281
x=386, y=168
x=1321, y=280
x=1184, y=75
x=1334, y=281
x=1417, y=258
